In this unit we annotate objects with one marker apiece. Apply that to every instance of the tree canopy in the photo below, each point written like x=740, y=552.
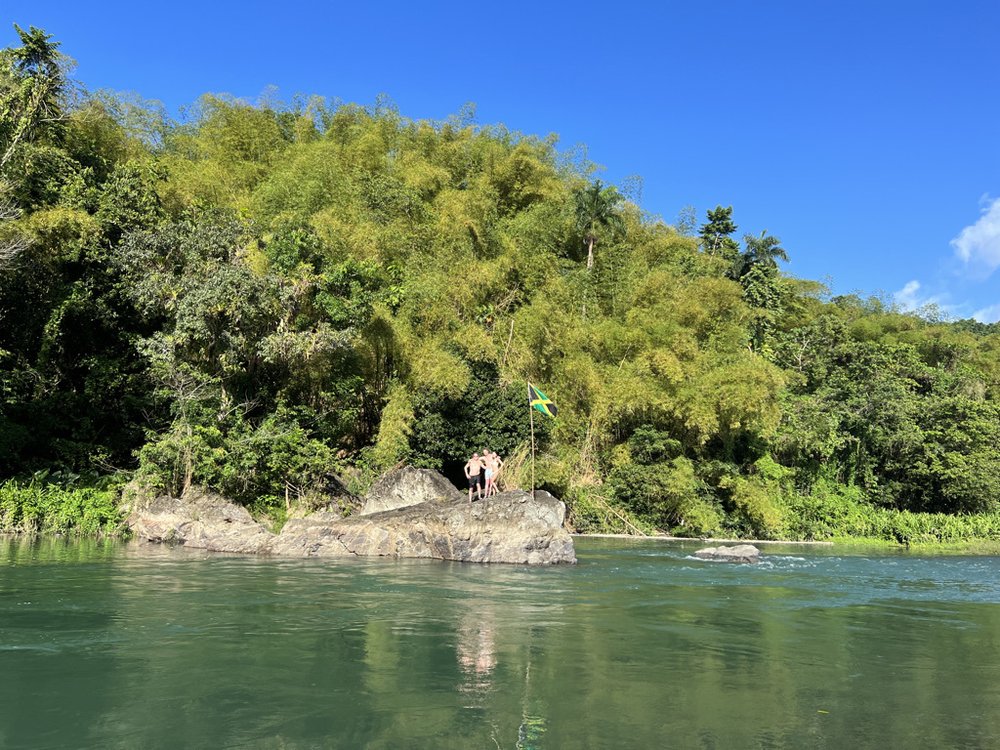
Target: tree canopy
x=268, y=295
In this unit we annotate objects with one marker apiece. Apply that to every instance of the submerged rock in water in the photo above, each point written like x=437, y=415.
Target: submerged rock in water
x=741, y=553
x=199, y=519
x=407, y=486
x=508, y=528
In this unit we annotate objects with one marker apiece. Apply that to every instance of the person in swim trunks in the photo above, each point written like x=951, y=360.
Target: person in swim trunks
x=473, y=472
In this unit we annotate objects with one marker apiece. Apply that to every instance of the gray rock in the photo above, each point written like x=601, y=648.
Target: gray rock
x=508, y=528
x=201, y=520
x=741, y=553
x=407, y=486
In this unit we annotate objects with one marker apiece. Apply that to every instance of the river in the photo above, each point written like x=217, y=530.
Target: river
x=111, y=645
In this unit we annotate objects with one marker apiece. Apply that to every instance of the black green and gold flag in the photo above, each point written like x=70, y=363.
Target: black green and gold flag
x=540, y=401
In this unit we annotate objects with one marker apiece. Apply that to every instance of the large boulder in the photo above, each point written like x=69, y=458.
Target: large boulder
x=199, y=519
x=741, y=553
x=407, y=486
x=511, y=527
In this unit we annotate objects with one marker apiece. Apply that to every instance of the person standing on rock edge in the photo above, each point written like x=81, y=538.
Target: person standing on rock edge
x=497, y=465
x=487, y=472
x=473, y=472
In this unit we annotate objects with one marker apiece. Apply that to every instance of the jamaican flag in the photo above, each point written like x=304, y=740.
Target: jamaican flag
x=540, y=401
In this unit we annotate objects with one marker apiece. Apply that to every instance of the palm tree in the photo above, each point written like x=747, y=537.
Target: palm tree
x=597, y=206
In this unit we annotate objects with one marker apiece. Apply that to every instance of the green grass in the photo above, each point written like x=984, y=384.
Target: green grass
x=921, y=529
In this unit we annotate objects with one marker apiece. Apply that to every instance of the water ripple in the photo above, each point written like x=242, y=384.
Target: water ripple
x=126, y=647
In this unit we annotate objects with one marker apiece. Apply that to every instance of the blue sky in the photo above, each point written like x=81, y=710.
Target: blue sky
x=866, y=135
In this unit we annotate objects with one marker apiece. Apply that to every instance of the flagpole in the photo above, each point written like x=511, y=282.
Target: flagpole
x=531, y=419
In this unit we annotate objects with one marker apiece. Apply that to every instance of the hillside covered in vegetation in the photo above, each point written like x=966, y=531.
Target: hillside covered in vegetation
x=264, y=296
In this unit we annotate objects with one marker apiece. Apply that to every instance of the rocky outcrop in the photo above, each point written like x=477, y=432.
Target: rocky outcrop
x=741, y=553
x=407, y=486
x=508, y=528
x=199, y=519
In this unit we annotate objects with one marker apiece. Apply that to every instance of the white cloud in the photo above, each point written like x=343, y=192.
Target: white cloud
x=989, y=314
x=978, y=244
x=907, y=297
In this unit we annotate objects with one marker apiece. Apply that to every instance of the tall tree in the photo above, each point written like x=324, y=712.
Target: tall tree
x=716, y=234
x=31, y=86
x=597, y=206
x=756, y=269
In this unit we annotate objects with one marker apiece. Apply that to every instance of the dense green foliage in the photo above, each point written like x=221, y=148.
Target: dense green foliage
x=264, y=296
x=39, y=506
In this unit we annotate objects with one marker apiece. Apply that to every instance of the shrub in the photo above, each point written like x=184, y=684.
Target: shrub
x=841, y=511
x=669, y=494
x=37, y=506
x=756, y=507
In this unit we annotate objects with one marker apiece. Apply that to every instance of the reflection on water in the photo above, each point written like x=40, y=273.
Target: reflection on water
x=531, y=731
x=476, y=647
x=105, y=645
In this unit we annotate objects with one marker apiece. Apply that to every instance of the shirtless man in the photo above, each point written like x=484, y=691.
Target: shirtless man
x=473, y=471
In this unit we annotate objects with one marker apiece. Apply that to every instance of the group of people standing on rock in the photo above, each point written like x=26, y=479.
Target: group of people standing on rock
x=482, y=473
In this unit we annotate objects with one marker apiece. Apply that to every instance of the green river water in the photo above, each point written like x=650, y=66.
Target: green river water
x=109, y=645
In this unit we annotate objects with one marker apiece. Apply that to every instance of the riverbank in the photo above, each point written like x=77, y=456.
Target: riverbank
x=966, y=547
x=35, y=507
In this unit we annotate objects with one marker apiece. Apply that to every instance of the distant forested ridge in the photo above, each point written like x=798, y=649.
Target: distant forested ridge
x=263, y=296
